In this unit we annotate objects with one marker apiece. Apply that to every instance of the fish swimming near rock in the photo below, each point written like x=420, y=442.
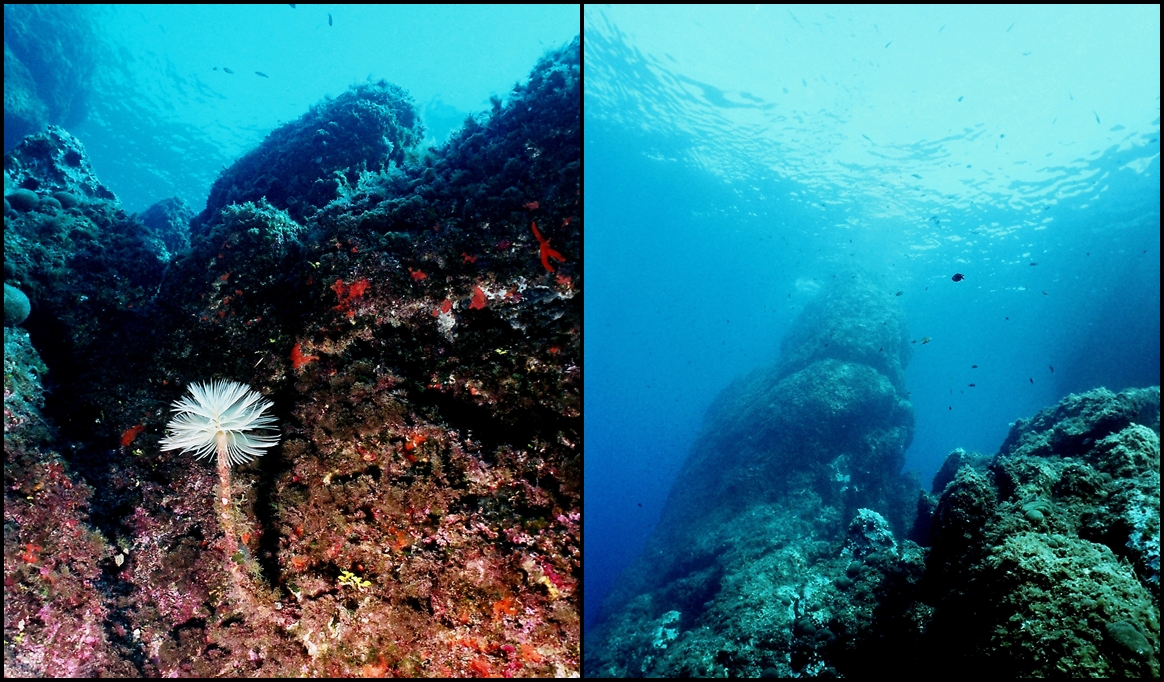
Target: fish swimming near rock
x=958, y=277
x=260, y=73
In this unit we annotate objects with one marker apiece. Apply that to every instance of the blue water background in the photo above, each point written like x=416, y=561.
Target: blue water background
x=162, y=122
x=738, y=157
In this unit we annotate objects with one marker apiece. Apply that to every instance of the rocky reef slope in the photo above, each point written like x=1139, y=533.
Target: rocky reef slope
x=420, y=340
x=776, y=540
x=790, y=546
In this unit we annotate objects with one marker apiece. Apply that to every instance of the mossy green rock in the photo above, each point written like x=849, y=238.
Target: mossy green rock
x=23, y=200
x=67, y=200
x=16, y=306
x=1125, y=635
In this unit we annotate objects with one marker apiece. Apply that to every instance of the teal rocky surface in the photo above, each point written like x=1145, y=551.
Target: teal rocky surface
x=791, y=546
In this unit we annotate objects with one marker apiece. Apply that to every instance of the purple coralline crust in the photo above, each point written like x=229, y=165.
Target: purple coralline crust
x=421, y=515
x=55, y=614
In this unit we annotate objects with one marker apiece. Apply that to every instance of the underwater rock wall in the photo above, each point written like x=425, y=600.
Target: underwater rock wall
x=750, y=560
x=55, y=615
x=1041, y=560
x=91, y=272
x=417, y=325
x=50, y=57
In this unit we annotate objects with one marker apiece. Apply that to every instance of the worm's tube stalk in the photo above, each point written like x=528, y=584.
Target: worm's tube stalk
x=223, y=503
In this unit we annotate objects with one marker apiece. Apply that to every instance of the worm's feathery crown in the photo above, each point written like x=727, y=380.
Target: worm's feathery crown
x=225, y=410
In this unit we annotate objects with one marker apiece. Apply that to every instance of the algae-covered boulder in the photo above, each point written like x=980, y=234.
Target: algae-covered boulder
x=66, y=199
x=1073, y=426
x=23, y=200
x=16, y=306
x=50, y=204
x=301, y=166
x=1046, y=560
x=53, y=161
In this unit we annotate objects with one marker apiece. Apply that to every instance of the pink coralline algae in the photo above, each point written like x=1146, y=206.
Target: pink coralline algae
x=418, y=517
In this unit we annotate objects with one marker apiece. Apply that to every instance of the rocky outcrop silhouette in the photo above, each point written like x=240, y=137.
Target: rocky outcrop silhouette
x=750, y=542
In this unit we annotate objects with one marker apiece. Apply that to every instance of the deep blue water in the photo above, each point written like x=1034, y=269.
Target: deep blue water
x=160, y=116
x=737, y=158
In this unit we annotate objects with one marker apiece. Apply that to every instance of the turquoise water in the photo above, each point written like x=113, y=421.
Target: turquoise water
x=160, y=115
x=737, y=158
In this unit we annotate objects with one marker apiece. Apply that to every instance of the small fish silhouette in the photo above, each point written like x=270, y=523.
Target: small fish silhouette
x=227, y=70
x=1052, y=368
x=973, y=366
x=958, y=277
x=899, y=293
x=971, y=385
x=329, y=20
x=1032, y=380
x=260, y=73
